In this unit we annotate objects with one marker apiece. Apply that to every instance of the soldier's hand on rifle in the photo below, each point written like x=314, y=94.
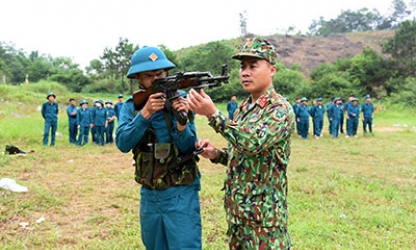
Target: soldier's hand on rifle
x=180, y=104
x=154, y=104
x=201, y=103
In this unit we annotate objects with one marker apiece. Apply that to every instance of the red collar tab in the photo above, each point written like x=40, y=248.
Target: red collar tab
x=263, y=102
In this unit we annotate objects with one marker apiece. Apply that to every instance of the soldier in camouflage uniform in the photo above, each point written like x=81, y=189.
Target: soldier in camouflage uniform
x=258, y=153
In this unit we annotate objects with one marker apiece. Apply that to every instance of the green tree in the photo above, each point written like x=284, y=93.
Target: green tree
x=402, y=48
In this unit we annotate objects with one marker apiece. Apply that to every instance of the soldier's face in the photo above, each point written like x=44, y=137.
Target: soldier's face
x=148, y=77
x=256, y=75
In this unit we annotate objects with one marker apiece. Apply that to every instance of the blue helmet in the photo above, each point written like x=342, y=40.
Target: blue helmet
x=304, y=99
x=319, y=99
x=148, y=59
x=83, y=102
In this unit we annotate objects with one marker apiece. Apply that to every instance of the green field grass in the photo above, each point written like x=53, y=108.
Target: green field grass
x=356, y=193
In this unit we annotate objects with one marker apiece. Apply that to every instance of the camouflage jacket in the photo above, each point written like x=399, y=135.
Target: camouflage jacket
x=257, y=158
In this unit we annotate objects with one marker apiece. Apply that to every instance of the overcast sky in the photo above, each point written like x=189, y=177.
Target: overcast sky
x=82, y=29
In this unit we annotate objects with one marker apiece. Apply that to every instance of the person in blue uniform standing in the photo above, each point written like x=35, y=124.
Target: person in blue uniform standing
x=367, y=110
x=100, y=121
x=295, y=109
x=165, y=164
x=341, y=119
x=334, y=114
x=346, y=106
x=329, y=114
x=50, y=110
x=353, y=113
x=232, y=107
x=83, y=123
x=92, y=115
x=118, y=105
x=71, y=111
x=302, y=116
x=111, y=117
x=317, y=113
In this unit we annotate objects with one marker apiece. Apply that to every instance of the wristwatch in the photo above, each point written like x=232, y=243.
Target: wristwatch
x=213, y=116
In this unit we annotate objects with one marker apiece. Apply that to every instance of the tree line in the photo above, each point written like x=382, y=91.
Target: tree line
x=390, y=76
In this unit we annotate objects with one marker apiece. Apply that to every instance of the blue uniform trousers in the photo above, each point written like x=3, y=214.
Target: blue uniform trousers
x=335, y=127
x=73, y=130
x=369, y=122
x=100, y=131
x=83, y=134
x=353, y=126
x=49, y=126
x=171, y=222
x=318, y=124
x=304, y=127
x=109, y=133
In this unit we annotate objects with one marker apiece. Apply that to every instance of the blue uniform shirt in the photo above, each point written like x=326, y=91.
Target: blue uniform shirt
x=303, y=112
x=50, y=111
x=334, y=112
x=83, y=117
x=317, y=112
x=367, y=109
x=110, y=113
x=117, y=109
x=69, y=110
x=353, y=110
x=100, y=117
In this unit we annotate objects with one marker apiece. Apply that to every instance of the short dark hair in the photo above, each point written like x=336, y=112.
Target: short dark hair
x=71, y=99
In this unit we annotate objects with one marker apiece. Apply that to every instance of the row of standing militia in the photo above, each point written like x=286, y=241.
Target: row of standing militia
x=99, y=119
x=337, y=112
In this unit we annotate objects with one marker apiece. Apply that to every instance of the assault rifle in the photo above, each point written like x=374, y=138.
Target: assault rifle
x=180, y=80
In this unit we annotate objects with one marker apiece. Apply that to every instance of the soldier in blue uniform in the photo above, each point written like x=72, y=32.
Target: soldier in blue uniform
x=317, y=113
x=118, y=105
x=83, y=123
x=334, y=114
x=341, y=120
x=346, y=106
x=100, y=121
x=295, y=109
x=367, y=110
x=92, y=115
x=111, y=117
x=50, y=112
x=165, y=164
x=71, y=111
x=353, y=113
x=302, y=116
x=232, y=107
x=329, y=114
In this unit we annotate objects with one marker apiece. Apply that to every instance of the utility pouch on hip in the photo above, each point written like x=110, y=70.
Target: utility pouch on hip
x=159, y=166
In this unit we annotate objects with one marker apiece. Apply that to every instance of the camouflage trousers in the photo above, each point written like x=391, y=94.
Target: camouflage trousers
x=244, y=237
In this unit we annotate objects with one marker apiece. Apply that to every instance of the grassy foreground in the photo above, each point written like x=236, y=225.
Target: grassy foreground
x=356, y=193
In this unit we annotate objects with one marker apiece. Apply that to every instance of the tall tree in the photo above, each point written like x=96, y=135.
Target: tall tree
x=402, y=48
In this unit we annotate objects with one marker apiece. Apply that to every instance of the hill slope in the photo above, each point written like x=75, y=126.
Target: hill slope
x=311, y=51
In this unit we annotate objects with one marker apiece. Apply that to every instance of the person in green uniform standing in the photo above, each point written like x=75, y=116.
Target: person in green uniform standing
x=257, y=157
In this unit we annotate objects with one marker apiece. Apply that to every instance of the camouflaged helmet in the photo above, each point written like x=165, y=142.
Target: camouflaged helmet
x=148, y=59
x=260, y=48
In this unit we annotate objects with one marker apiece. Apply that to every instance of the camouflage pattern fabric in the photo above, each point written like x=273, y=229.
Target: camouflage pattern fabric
x=247, y=237
x=257, y=158
x=260, y=48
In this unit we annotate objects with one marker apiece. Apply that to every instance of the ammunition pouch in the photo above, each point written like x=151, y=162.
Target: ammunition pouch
x=159, y=166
